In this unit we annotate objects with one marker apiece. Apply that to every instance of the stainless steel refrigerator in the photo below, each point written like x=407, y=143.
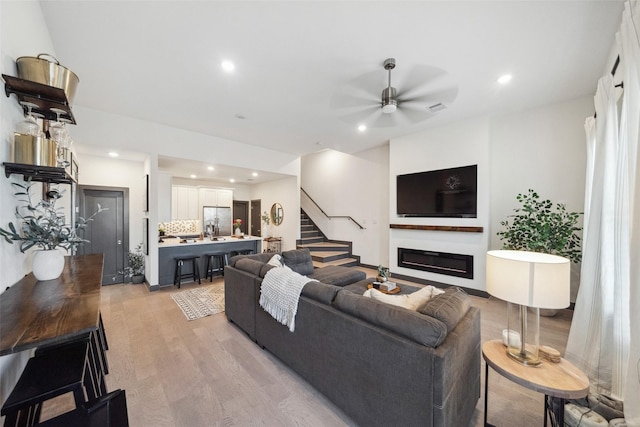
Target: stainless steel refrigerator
x=217, y=221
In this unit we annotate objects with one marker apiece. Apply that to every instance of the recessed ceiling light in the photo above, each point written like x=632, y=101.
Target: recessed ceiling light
x=254, y=174
x=362, y=128
x=113, y=154
x=193, y=176
x=232, y=180
x=228, y=66
x=210, y=168
x=505, y=79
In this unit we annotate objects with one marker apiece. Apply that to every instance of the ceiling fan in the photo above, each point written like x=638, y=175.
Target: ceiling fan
x=423, y=92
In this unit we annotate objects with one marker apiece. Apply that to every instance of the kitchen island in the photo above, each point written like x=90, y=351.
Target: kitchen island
x=172, y=247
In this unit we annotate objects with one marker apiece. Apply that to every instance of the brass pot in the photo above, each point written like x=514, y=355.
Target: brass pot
x=34, y=150
x=49, y=73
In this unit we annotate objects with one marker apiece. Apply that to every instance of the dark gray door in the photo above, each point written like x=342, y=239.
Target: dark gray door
x=241, y=211
x=108, y=233
x=256, y=221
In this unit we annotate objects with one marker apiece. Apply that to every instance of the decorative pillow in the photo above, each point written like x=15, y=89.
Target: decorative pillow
x=276, y=261
x=448, y=307
x=409, y=301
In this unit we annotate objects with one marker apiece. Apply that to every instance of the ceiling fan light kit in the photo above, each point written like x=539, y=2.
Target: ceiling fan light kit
x=389, y=102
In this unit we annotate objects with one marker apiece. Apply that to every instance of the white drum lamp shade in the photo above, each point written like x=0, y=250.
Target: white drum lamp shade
x=527, y=279
x=533, y=279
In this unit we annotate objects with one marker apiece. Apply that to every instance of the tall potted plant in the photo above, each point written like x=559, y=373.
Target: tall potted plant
x=540, y=226
x=135, y=267
x=42, y=224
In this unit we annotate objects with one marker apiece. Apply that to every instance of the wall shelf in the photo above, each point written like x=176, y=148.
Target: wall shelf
x=46, y=174
x=456, y=228
x=45, y=97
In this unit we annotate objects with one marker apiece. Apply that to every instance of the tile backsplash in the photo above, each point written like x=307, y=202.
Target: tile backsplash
x=186, y=226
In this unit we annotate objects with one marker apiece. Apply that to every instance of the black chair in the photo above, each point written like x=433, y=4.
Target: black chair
x=179, y=274
x=109, y=410
x=215, y=264
x=67, y=368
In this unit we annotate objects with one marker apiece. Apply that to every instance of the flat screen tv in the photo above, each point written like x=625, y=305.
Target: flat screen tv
x=444, y=193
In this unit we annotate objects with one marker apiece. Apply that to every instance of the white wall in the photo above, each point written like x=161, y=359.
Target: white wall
x=109, y=172
x=285, y=191
x=354, y=185
x=15, y=17
x=543, y=149
x=461, y=144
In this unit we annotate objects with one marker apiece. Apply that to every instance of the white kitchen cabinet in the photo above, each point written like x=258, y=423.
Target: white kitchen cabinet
x=184, y=202
x=215, y=197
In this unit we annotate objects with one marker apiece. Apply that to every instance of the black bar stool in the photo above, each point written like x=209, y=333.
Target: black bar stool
x=48, y=375
x=215, y=264
x=179, y=275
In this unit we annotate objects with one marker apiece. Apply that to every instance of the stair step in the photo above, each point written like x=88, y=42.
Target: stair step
x=310, y=233
x=324, y=246
x=307, y=240
x=344, y=262
x=327, y=256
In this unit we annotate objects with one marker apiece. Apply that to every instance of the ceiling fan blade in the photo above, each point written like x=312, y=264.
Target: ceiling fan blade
x=424, y=79
x=444, y=96
x=363, y=115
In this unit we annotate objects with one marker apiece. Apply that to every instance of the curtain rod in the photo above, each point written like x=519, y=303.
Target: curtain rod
x=613, y=73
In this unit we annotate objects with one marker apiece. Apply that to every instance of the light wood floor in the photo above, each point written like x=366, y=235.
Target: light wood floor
x=207, y=372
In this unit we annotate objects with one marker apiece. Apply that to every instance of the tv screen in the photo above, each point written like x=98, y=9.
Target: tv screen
x=448, y=193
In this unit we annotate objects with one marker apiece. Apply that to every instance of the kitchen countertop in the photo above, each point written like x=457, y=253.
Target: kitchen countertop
x=175, y=241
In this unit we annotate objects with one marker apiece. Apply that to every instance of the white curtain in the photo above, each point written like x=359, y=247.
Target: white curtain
x=604, y=338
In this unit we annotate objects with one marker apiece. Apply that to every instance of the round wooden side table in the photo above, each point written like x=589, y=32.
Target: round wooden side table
x=560, y=380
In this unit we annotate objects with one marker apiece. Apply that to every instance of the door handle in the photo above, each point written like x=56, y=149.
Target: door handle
x=119, y=242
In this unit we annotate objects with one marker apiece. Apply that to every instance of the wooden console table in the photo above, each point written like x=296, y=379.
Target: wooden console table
x=560, y=380
x=34, y=313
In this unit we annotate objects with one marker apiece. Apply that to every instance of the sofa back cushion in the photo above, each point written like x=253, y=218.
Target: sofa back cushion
x=249, y=265
x=320, y=292
x=299, y=260
x=410, y=324
x=448, y=307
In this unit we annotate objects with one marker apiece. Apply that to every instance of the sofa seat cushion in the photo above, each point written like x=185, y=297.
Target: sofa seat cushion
x=299, y=260
x=410, y=324
x=337, y=275
x=448, y=307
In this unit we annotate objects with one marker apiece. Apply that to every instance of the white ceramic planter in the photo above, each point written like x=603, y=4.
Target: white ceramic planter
x=47, y=264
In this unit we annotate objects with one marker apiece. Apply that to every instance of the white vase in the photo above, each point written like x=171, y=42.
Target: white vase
x=238, y=232
x=47, y=264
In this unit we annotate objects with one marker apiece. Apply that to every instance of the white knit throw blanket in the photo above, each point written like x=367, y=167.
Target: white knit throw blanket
x=279, y=294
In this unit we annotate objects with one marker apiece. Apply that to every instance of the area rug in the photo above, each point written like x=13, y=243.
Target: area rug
x=201, y=301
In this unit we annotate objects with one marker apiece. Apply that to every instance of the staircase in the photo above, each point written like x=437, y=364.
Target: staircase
x=324, y=251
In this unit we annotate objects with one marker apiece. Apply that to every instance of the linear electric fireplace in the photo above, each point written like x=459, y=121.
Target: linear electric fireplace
x=457, y=265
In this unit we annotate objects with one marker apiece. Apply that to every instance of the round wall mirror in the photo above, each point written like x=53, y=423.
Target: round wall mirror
x=277, y=214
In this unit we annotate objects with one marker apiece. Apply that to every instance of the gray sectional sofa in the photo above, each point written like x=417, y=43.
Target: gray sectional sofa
x=381, y=364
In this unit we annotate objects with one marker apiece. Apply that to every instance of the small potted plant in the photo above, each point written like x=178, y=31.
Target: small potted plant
x=135, y=269
x=42, y=224
x=383, y=273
